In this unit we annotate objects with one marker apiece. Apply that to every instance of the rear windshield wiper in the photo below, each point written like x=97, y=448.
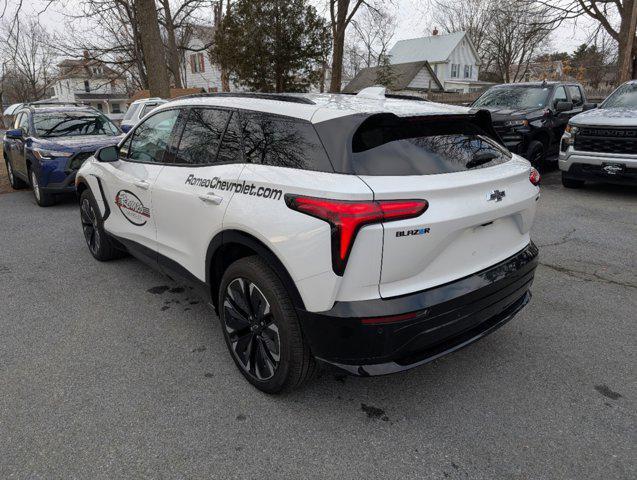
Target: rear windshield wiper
x=481, y=158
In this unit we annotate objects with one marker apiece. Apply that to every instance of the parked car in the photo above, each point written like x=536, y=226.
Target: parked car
x=602, y=144
x=49, y=143
x=138, y=110
x=370, y=233
x=531, y=117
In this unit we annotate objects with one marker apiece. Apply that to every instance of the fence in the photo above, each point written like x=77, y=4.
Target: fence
x=593, y=96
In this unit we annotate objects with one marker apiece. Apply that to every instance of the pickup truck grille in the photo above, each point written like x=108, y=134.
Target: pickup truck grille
x=607, y=140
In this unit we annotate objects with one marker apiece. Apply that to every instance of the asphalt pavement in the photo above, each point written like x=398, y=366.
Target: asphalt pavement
x=109, y=370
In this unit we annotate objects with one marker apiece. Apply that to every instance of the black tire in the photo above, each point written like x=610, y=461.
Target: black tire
x=98, y=241
x=14, y=181
x=536, y=154
x=41, y=198
x=570, y=182
x=251, y=333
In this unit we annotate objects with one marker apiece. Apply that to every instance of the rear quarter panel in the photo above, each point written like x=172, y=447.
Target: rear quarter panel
x=303, y=243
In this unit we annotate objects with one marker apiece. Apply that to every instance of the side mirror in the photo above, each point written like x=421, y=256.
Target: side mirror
x=125, y=128
x=15, y=133
x=589, y=106
x=107, y=154
x=563, y=106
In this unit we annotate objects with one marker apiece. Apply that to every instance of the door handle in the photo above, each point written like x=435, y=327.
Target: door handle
x=211, y=198
x=143, y=184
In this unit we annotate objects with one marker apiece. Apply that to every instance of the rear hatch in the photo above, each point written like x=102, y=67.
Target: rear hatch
x=481, y=202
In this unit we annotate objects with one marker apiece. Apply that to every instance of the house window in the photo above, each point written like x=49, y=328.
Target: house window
x=467, y=71
x=455, y=68
x=87, y=87
x=100, y=107
x=115, y=108
x=197, y=63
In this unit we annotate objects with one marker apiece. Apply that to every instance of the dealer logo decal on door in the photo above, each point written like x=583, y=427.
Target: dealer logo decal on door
x=132, y=208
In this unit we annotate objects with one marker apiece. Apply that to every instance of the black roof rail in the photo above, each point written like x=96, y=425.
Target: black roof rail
x=397, y=96
x=400, y=96
x=281, y=97
x=53, y=104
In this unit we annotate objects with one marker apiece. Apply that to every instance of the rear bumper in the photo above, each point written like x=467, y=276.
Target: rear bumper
x=352, y=337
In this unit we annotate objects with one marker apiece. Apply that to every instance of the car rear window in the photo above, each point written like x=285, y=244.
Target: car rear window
x=417, y=146
x=282, y=142
x=131, y=111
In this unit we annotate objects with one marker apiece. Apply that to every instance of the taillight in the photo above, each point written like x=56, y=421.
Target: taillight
x=347, y=217
x=534, y=177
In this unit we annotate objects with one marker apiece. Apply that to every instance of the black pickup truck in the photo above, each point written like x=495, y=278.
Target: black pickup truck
x=531, y=117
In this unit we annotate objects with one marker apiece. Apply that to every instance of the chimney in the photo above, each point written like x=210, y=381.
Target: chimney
x=435, y=32
x=86, y=55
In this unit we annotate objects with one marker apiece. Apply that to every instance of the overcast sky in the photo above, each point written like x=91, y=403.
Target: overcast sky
x=411, y=22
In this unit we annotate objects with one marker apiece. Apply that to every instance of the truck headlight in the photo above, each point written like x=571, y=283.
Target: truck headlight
x=568, y=138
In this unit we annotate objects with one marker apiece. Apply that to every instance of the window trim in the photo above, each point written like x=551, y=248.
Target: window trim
x=581, y=95
x=183, y=120
x=554, y=95
x=132, y=132
x=180, y=125
x=27, y=131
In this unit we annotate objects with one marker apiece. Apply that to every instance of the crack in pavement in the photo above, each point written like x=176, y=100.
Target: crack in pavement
x=586, y=276
x=565, y=238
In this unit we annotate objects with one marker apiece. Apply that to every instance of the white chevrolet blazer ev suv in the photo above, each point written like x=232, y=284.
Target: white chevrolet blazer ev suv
x=369, y=232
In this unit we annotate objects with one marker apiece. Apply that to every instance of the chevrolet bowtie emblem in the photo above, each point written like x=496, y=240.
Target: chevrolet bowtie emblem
x=496, y=195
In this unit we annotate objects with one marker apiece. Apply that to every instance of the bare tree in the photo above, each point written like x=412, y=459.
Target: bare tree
x=603, y=12
x=175, y=19
x=28, y=59
x=515, y=36
x=374, y=29
x=108, y=31
x=341, y=14
x=352, y=59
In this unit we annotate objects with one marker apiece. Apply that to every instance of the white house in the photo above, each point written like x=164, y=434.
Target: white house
x=89, y=82
x=199, y=72
x=452, y=57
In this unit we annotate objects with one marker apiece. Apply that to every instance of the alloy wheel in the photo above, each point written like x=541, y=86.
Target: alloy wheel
x=35, y=185
x=10, y=172
x=89, y=226
x=251, y=328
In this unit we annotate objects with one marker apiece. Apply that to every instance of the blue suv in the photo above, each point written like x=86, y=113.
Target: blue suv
x=49, y=143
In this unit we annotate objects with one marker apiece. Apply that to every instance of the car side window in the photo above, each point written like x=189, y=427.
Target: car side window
x=151, y=138
x=201, y=136
x=559, y=96
x=282, y=142
x=230, y=149
x=16, y=120
x=23, y=122
x=576, y=95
